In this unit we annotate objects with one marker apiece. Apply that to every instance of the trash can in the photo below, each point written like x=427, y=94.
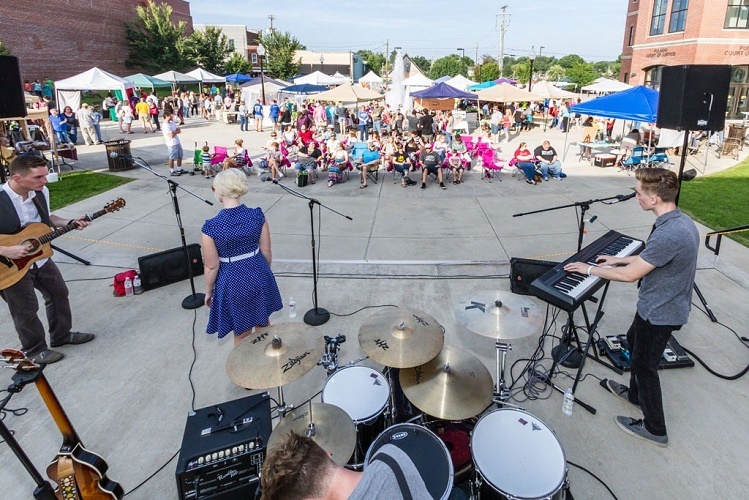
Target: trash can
x=120, y=147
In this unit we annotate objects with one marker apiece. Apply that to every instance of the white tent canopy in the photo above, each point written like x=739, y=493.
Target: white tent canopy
x=342, y=78
x=251, y=93
x=317, y=78
x=93, y=79
x=205, y=76
x=418, y=81
x=177, y=77
x=460, y=82
x=547, y=90
x=606, y=85
x=370, y=77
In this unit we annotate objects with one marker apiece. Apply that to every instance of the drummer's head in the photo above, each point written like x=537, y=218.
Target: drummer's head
x=230, y=183
x=295, y=469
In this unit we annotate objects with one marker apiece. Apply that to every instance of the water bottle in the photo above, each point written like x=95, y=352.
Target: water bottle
x=128, y=287
x=292, y=307
x=137, y=287
x=569, y=401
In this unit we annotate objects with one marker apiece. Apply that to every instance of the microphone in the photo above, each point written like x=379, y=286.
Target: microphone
x=625, y=197
x=265, y=178
x=119, y=155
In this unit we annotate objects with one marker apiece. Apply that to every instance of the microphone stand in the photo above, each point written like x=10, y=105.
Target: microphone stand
x=317, y=315
x=194, y=300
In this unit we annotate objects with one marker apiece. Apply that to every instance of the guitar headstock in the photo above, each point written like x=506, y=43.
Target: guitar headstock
x=19, y=359
x=114, y=205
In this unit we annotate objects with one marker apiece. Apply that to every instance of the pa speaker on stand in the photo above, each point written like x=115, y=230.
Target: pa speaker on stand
x=694, y=97
x=12, y=101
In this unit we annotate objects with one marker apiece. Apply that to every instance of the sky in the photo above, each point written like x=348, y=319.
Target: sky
x=592, y=29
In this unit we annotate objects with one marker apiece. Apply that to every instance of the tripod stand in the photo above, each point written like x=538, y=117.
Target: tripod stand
x=194, y=300
x=317, y=315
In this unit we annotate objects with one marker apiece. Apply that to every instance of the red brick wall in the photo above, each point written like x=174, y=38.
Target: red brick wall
x=60, y=38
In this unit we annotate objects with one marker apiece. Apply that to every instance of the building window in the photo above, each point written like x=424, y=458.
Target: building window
x=659, y=17
x=254, y=58
x=653, y=77
x=737, y=15
x=678, y=16
x=631, y=39
x=231, y=43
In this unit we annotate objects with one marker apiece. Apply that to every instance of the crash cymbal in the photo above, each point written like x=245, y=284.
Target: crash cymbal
x=332, y=429
x=401, y=338
x=275, y=355
x=499, y=315
x=453, y=386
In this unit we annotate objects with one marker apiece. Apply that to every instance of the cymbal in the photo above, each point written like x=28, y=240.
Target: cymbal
x=275, y=355
x=332, y=429
x=401, y=338
x=453, y=386
x=499, y=315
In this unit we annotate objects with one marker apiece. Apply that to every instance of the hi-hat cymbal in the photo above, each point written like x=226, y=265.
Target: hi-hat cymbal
x=275, y=355
x=453, y=386
x=499, y=315
x=401, y=338
x=332, y=429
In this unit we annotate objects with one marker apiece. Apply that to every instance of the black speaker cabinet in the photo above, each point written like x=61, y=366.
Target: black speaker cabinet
x=694, y=97
x=524, y=271
x=12, y=101
x=169, y=266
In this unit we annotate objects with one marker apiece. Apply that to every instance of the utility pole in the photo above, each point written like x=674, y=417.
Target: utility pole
x=476, y=64
x=387, y=60
x=504, y=23
x=272, y=18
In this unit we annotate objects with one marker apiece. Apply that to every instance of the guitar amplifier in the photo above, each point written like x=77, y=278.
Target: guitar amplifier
x=223, y=449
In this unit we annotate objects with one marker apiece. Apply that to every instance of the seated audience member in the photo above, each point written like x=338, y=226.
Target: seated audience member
x=308, y=158
x=440, y=146
x=525, y=163
x=629, y=143
x=455, y=162
x=459, y=148
x=238, y=159
x=430, y=162
x=274, y=160
x=370, y=162
x=289, y=135
x=402, y=164
x=548, y=161
x=305, y=135
x=338, y=163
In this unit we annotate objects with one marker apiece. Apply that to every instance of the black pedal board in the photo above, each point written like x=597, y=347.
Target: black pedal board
x=620, y=358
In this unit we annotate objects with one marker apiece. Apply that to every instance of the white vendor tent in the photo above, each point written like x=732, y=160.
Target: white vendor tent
x=68, y=91
x=370, y=78
x=460, y=82
x=418, y=81
x=547, y=90
x=341, y=78
x=205, y=76
x=606, y=85
x=317, y=78
x=349, y=93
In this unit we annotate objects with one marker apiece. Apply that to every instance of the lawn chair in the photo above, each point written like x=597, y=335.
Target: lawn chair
x=218, y=157
x=659, y=158
x=489, y=167
x=634, y=161
x=372, y=168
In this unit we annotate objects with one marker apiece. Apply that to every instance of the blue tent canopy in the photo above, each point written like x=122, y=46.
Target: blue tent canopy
x=237, y=78
x=638, y=104
x=443, y=91
x=483, y=85
x=304, y=88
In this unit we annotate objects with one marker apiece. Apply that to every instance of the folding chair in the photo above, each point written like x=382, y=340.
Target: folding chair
x=217, y=158
x=489, y=167
x=634, y=161
x=659, y=158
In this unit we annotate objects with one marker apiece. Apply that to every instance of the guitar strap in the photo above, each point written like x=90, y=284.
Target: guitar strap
x=41, y=206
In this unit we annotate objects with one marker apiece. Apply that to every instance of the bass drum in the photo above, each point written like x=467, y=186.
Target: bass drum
x=517, y=457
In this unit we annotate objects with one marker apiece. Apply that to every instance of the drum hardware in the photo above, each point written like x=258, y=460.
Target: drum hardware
x=329, y=358
x=401, y=338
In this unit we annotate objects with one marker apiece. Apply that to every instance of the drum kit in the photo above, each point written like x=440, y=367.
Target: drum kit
x=426, y=401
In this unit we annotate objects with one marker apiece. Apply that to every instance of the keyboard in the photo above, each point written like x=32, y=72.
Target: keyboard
x=569, y=290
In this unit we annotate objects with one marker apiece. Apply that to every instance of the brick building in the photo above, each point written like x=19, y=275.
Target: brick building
x=673, y=32
x=61, y=38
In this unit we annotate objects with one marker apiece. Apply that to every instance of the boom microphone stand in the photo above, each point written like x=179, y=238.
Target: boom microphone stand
x=317, y=315
x=194, y=300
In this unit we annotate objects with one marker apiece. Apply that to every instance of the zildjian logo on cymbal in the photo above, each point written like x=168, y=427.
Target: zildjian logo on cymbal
x=477, y=305
x=294, y=361
x=420, y=320
x=382, y=344
x=259, y=338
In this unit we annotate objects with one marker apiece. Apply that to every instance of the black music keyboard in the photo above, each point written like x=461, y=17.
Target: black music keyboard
x=568, y=290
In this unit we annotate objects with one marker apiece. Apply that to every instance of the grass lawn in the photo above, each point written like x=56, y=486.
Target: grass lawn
x=78, y=186
x=720, y=200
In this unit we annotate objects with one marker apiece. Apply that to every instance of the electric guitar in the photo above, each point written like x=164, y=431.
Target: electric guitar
x=80, y=474
x=38, y=237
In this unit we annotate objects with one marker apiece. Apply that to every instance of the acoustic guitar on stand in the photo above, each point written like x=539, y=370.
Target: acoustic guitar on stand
x=38, y=237
x=80, y=474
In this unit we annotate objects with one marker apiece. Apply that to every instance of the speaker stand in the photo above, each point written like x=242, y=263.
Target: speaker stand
x=71, y=255
x=194, y=300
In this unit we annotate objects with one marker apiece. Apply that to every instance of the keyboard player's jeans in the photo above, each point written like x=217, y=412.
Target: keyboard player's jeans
x=646, y=345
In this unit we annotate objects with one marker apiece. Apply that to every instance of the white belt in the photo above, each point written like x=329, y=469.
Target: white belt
x=239, y=257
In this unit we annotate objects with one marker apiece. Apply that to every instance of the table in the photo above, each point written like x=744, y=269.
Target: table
x=595, y=147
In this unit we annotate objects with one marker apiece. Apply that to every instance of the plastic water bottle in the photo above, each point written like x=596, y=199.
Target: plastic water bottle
x=569, y=401
x=128, y=287
x=137, y=286
x=292, y=307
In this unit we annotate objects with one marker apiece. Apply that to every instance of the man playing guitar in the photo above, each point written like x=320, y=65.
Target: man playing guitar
x=24, y=199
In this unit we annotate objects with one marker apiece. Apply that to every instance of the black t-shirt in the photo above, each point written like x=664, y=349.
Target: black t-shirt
x=546, y=155
x=425, y=124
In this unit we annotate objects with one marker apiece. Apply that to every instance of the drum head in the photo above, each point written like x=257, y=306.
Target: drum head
x=426, y=451
x=360, y=391
x=517, y=454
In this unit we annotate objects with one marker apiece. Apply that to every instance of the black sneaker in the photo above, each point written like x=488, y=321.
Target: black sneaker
x=47, y=356
x=75, y=339
x=176, y=173
x=423, y=185
x=442, y=185
x=619, y=390
x=637, y=429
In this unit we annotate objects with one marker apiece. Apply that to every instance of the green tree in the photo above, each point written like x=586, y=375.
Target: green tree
x=616, y=67
x=582, y=74
x=4, y=50
x=555, y=72
x=208, y=49
x=280, y=55
x=423, y=63
x=521, y=70
x=603, y=68
x=570, y=60
x=237, y=64
x=374, y=61
x=448, y=66
x=154, y=41
x=489, y=71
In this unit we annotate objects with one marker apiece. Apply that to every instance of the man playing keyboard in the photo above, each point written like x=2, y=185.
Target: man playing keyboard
x=666, y=270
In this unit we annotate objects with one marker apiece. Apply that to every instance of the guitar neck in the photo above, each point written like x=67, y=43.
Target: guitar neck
x=70, y=437
x=69, y=227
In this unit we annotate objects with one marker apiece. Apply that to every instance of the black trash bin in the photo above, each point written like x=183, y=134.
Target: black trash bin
x=121, y=147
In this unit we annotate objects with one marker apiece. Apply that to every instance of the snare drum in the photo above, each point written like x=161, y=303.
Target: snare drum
x=427, y=452
x=517, y=456
x=363, y=393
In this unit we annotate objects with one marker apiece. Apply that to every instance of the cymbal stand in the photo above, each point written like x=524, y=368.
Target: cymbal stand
x=282, y=407
x=330, y=357
x=501, y=390
x=311, y=430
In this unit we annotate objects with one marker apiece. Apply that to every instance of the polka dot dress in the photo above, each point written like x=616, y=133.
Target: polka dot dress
x=245, y=293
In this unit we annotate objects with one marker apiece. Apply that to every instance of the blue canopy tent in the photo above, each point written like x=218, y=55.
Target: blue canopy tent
x=483, y=85
x=304, y=88
x=443, y=91
x=237, y=78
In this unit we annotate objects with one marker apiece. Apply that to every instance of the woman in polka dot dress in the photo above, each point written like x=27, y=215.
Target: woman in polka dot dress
x=240, y=287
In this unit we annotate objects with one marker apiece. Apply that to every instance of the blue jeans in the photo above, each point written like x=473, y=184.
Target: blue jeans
x=377, y=124
x=528, y=169
x=244, y=123
x=363, y=132
x=554, y=168
x=449, y=138
x=62, y=136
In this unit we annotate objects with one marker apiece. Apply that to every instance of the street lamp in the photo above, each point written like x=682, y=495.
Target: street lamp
x=463, y=53
x=261, y=52
x=531, y=57
x=322, y=64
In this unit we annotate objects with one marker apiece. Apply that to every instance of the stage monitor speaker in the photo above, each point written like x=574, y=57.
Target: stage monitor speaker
x=12, y=101
x=169, y=266
x=694, y=97
x=524, y=271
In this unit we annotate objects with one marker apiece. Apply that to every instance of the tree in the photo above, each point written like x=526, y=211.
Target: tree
x=374, y=61
x=280, y=54
x=582, y=74
x=208, y=49
x=448, y=66
x=555, y=72
x=154, y=41
x=521, y=70
x=603, y=68
x=616, y=67
x=489, y=71
x=422, y=62
x=4, y=50
x=237, y=64
x=570, y=60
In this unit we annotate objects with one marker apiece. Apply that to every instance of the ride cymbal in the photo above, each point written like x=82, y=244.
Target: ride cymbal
x=331, y=428
x=401, y=338
x=275, y=355
x=499, y=315
x=453, y=386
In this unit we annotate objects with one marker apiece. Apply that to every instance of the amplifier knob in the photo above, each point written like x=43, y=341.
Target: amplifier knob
x=241, y=448
x=221, y=454
x=208, y=458
x=200, y=461
x=234, y=450
x=214, y=456
x=252, y=445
